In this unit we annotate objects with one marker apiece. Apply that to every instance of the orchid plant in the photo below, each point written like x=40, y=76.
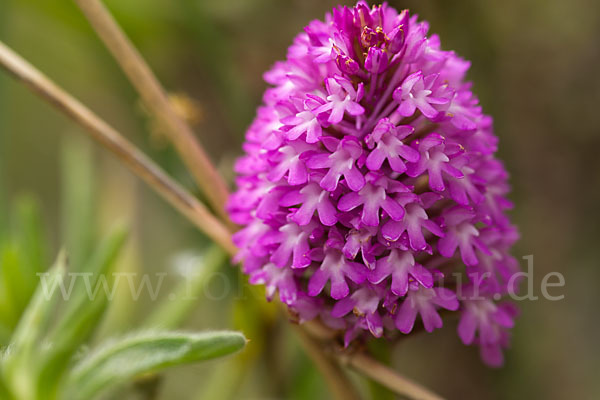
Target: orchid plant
x=369, y=180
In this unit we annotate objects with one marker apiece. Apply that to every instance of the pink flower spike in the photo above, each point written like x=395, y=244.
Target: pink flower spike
x=369, y=169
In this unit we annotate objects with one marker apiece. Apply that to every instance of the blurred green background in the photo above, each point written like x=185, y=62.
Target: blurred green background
x=535, y=66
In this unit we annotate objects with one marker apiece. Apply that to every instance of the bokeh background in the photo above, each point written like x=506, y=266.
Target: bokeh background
x=535, y=67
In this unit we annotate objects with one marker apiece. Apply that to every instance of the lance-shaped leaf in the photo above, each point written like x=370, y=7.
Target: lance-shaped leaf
x=82, y=313
x=18, y=362
x=148, y=352
x=21, y=258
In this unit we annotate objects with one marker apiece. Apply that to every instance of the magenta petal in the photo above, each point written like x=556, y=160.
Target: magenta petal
x=433, y=228
x=282, y=255
x=375, y=324
x=339, y=287
x=317, y=282
x=370, y=214
x=447, y=245
x=330, y=181
x=503, y=318
x=405, y=319
x=445, y=298
x=382, y=270
x=453, y=171
x=318, y=161
x=298, y=174
x=354, y=179
x=291, y=198
x=427, y=109
x=349, y=201
x=356, y=272
x=462, y=122
x=435, y=179
x=400, y=282
x=421, y=275
x=408, y=153
x=314, y=132
x=343, y=307
x=304, y=214
x=431, y=318
x=407, y=108
x=301, y=258
x=393, y=229
x=468, y=254
x=467, y=327
x=394, y=210
x=415, y=236
x=354, y=108
x=326, y=212
x=492, y=355
x=277, y=173
x=337, y=114
x=397, y=164
x=352, y=246
x=375, y=159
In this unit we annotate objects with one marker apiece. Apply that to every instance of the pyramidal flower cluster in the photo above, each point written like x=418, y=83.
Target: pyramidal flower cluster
x=369, y=193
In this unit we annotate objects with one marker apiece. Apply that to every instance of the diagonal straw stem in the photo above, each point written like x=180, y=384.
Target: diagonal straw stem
x=155, y=98
x=107, y=136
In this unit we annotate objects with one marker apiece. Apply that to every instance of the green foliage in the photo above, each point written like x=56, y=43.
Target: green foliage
x=145, y=353
x=50, y=319
x=43, y=360
x=47, y=319
x=22, y=250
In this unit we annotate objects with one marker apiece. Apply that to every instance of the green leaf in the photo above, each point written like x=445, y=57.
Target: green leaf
x=19, y=363
x=31, y=240
x=82, y=314
x=30, y=252
x=4, y=393
x=148, y=352
x=94, y=274
x=9, y=285
x=21, y=258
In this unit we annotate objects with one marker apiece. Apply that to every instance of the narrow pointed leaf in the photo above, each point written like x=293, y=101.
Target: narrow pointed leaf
x=31, y=242
x=82, y=314
x=149, y=352
x=19, y=363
